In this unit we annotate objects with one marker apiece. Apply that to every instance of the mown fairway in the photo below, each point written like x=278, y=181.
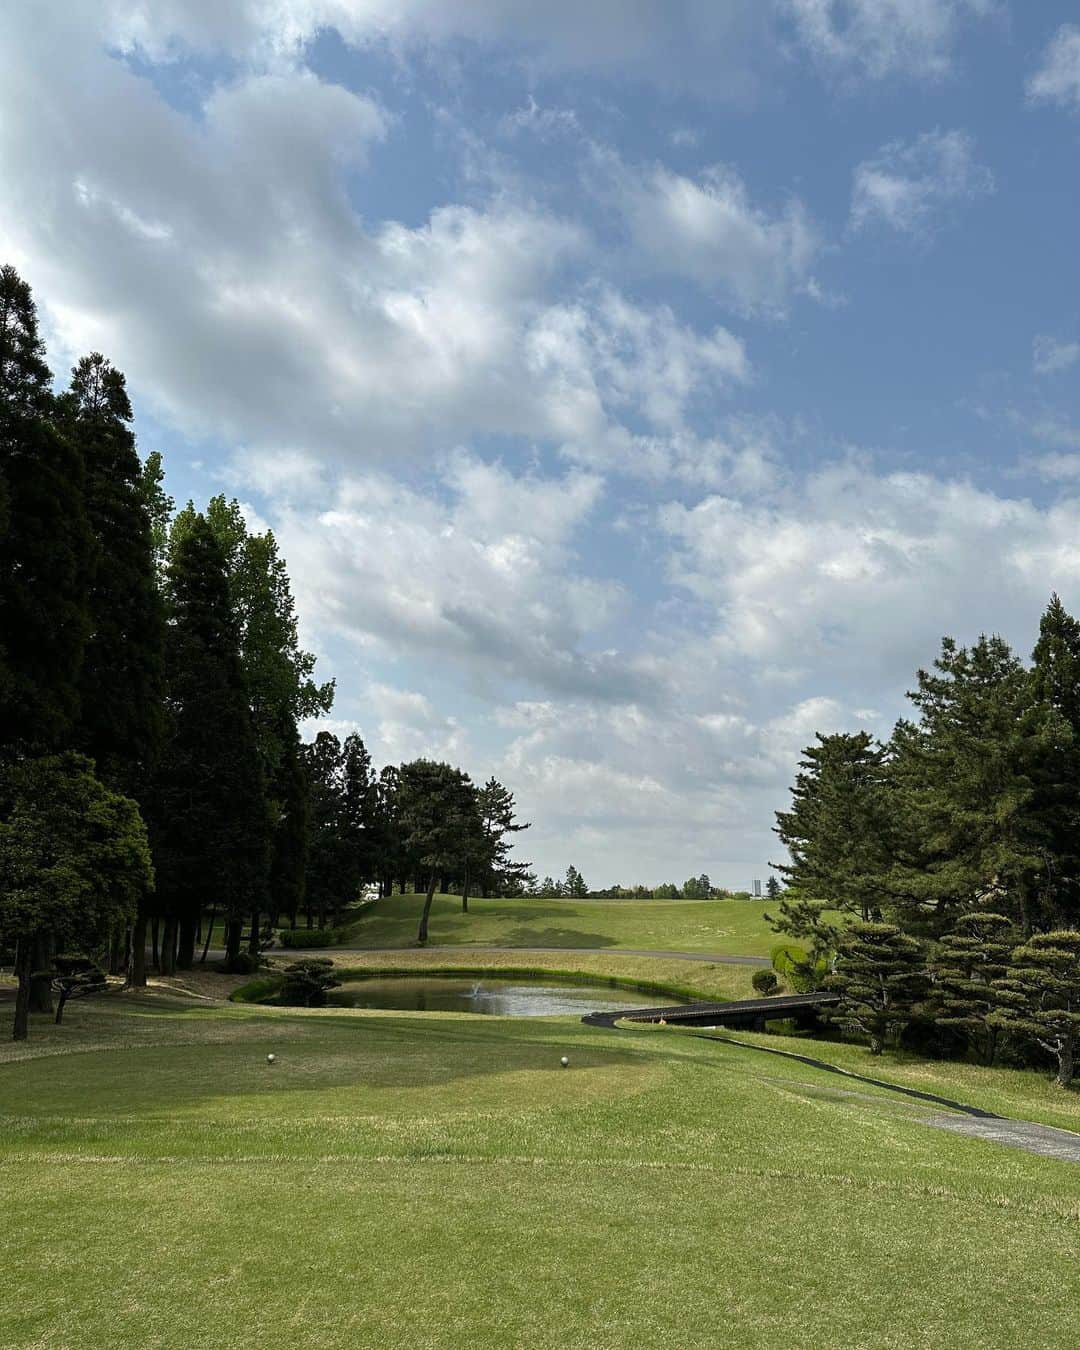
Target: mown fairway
x=733, y=927
x=438, y=1180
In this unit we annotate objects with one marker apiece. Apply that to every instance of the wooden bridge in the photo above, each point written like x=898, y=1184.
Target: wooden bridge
x=749, y=1014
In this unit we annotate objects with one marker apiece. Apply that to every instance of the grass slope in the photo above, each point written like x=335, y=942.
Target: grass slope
x=438, y=1181
x=731, y=927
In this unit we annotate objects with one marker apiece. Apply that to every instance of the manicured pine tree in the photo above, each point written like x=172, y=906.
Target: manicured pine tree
x=967, y=963
x=880, y=975
x=74, y=860
x=359, y=808
x=967, y=828
x=209, y=815
x=1039, y=996
x=45, y=543
x=837, y=835
x=1055, y=679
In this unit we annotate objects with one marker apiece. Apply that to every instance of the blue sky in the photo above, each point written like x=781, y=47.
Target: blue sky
x=635, y=387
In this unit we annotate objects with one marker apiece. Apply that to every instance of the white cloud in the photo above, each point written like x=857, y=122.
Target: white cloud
x=708, y=230
x=1058, y=78
x=906, y=186
x=295, y=326
x=1049, y=356
x=482, y=573
x=879, y=38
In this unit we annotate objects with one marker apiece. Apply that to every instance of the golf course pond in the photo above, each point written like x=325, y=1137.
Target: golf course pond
x=517, y=997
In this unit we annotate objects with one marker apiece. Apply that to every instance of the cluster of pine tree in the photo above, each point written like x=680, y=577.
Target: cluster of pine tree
x=935, y=879
x=152, y=687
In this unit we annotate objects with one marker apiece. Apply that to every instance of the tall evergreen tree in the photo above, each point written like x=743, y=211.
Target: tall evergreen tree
x=45, y=544
x=435, y=802
x=210, y=819
x=328, y=870
x=967, y=831
x=498, y=819
x=837, y=835
x=121, y=676
x=1055, y=678
x=290, y=838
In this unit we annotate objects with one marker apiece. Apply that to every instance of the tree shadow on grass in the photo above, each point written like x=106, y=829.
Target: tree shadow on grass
x=565, y=938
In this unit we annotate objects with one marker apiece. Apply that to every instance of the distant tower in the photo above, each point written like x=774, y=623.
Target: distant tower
x=757, y=888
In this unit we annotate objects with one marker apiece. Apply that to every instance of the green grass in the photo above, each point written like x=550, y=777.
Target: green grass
x=438, y=1181
x=731, y=927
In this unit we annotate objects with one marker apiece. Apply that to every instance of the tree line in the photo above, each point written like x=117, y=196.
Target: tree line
x=152, y=688
x=933, y=880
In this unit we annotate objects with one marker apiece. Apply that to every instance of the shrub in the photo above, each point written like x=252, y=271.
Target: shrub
x=803, y=973
x=310, y=937
x=307, y=981
x=245, y=963
x=765, y=982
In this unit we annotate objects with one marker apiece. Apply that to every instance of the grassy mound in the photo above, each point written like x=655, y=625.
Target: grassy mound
x=733, y=927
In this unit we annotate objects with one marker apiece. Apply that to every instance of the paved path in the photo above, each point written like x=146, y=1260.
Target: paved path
x=1048, y=1141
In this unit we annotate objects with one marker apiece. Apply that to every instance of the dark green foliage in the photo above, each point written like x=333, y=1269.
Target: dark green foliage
x=697, y=888
x=765, y=982
x=210, y=821
x=331, y=871
x=967, y=962
x=574, y=885
x=880, y=975
x=1039, y=996
x=498, y=875
x=306, y=982
x=310, y=937
x=1055, y=680
x=436, y=805
x=837, y=834
x=46, y=548
x=773, y=889
x=965, y=779
x=291, y=832
x=120, y=681
x=74, y=860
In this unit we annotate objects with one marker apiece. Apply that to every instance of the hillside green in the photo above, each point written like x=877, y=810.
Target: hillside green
x=731, y=927
x=437, y=1180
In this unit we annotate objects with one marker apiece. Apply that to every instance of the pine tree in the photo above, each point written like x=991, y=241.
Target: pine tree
x=575, y=885
x=435, y=802
x=498, y=819
x=1039, y=996
x=121, y=676
x=1055, y=679
x=45, y=543
x=880, y=975
x=210, y=819
x=967, y=830
x=968, y=962
x=836, y=833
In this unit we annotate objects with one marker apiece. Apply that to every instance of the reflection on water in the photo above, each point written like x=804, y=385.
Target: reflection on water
x=504, y=998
